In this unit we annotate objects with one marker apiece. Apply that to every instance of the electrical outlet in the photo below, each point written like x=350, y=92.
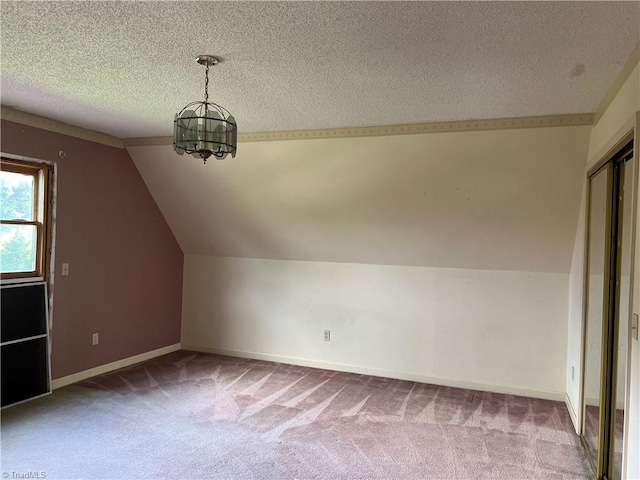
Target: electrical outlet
x=634, y=327
x=95, y=338
x=65, y=269
x=327, y=335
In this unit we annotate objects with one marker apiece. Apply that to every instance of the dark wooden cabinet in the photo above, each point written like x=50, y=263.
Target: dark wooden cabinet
x=24, y=347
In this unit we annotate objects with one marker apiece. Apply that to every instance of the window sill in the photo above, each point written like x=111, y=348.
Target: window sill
x=10, y=281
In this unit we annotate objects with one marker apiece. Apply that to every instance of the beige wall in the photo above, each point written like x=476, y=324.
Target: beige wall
x=500, y=331
x=574, y=324
x=497, y=200
x=442, y=257
x=616, y=117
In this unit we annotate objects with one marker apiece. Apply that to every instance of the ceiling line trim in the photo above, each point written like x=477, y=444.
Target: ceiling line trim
x=50, y=125
x=623, y=76
x=570, y=120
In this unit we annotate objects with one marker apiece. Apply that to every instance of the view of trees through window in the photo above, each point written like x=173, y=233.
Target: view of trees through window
x=18, y=242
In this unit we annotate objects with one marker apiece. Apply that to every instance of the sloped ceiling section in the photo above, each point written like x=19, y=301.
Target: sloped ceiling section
x=125, y=68
x=501, y=200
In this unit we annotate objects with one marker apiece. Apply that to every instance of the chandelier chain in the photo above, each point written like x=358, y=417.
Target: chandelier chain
x=206, y=85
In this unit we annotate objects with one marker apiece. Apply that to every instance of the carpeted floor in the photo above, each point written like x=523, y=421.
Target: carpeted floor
x=194, y=415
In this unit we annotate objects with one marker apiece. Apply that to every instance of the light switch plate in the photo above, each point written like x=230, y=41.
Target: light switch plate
x=634, y=327
x=65, y=269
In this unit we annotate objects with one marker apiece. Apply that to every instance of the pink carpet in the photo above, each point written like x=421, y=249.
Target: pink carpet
x=194, y=415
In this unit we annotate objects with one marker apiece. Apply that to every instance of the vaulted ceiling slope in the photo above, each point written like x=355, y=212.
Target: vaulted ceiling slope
x=125, y=68
x=496, y=200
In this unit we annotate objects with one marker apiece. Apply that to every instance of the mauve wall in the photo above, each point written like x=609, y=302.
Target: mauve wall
x=125, y=278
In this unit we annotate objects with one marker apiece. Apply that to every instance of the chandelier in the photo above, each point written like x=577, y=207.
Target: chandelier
x=203, y=129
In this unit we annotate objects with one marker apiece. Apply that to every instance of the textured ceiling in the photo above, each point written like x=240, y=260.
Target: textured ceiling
x=125, y=68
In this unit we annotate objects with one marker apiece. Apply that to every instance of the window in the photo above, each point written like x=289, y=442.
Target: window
x=23, y=214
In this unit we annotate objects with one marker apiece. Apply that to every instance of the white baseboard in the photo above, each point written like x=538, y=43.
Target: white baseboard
x=572, y=413
x=523, y=392
x=125, y=362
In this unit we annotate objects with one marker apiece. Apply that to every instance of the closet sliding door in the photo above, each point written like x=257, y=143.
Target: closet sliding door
x=598, y=252
x=607, y=312
x=621, y=326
